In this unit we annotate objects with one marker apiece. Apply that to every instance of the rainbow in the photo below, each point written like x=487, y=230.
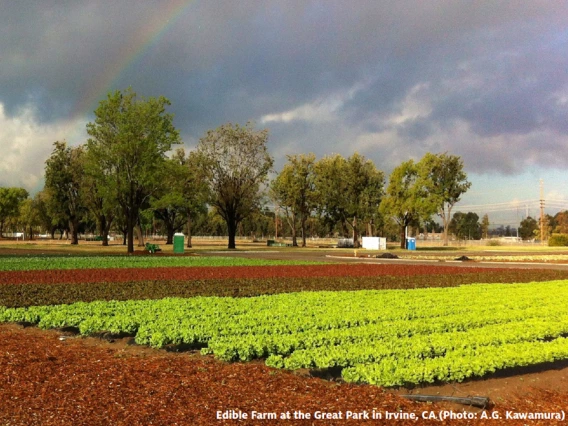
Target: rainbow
x=133, y=50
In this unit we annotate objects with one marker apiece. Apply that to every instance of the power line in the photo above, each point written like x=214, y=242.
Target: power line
x=508, y=203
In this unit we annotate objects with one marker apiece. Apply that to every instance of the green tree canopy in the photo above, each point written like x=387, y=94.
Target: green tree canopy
x=183, y=194
x=561, y=222
x=236, y=162
x=444, y=181
x=64, y=173
x=527, y=228
x=348, y=190
x=29, y=217
x=98, y=198
x=465, y=226
x=406, y=200
x=127, y=149
x=10, y=201
x=294, y=191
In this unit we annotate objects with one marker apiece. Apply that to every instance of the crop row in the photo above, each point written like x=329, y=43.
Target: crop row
x=373, y=335
x=420, y=346
x=43, y=263
x=458, y=365
x=105, y=289
x=116, y=275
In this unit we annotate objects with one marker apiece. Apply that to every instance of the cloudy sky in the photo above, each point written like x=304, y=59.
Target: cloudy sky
x=392, y=80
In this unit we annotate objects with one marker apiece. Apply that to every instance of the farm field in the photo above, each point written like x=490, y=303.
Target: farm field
x=270, y=326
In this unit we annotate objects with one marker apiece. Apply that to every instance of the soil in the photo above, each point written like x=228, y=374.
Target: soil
x=55, y=378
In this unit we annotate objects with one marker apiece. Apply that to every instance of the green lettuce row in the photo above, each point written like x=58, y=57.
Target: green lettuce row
x=30, y=263
x=265, y=319
x=246, y=347
x=422, y=346
x=190, y=321
x=280, y=314
x=457, y=365
x=241, y=337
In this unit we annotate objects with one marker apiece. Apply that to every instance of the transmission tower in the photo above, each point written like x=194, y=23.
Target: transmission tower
x=541, y=212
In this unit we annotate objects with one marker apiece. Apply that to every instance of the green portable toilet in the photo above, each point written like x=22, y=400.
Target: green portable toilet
x=178, y=243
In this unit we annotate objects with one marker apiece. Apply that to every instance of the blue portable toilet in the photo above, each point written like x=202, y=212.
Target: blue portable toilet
x=411, y=243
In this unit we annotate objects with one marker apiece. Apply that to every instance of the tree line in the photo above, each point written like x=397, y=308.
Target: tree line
x=126, y=176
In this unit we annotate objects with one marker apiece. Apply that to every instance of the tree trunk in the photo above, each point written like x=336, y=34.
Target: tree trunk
x=370, y=232
x=102, y=223
x=170, y=232
x=344, y=229
x=446, y=222
x=355, y=233
x=130, y=233
x=403, y=236
x=232, y=230
x=103, y=230
x=291, y=219
x=139, y=235
x=303, y=231
x=294, y=238
x=105, y=237
x=74, y=227
x=446, y=226
x=189, y=231
x=106, y=231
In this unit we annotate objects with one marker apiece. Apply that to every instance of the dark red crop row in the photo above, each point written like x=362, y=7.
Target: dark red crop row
x=224, y=272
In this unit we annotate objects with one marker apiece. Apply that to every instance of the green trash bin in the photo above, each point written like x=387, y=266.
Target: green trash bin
x=178, y=243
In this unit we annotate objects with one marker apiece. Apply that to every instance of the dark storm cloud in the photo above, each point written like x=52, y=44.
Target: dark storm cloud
x=401, y=75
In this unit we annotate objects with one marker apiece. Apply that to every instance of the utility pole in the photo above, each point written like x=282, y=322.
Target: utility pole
x=541, y=212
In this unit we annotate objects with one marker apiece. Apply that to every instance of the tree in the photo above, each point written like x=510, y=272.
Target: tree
x=236, y=162
x=63, y=178
x=46, y=221
x=29, y=217
x=508, y=232
x=129, y=141
x=561, y=222
x=10, y=201
x=168, y=203
x=444, y=180
x=294, y=191
x=348, y=191
x=98, y=199
x=485, y=226
x=183, y=194
x=405, y=200
x=528, y=228
x=430, y=226
x=466, y=226
x=549, y=223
